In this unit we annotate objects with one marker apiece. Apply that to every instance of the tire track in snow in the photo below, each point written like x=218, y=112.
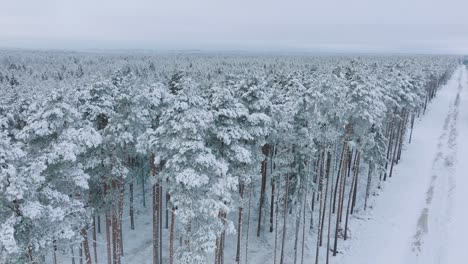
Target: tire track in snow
x=434, y=217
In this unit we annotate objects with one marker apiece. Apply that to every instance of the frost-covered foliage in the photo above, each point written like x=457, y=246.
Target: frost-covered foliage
x=75, y=126
x=45, y=196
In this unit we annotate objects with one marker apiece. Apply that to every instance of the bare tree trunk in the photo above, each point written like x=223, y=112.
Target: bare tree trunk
x=262, y=188
x=239, y=222
x=319, y=230
x=73, y=255
x=356, y=168
x=316, y=176
x=304, y=219
x=389, y=149
x=327, y=176
x=272, y=203
x=369, y=183
x=143, y=190
x=80, y=253
x=120, y=214
x=99, y=223
x=171, y=238
x=108, y=238
x=425, y=105
x=84, y=234
x=413, y=117
x=272, y=200
x=248, y=222
x=160, y=210
x=298, y=222
x=329, y=224
x=276, y=222
x=155, y=209
x=107, y=217
x=392, y=162
x=342, y=193
x=115, y=234
x=283, y=242
x=132, y=218
x=55, y=252
x=94, y=240
x=312, y=211
x=402, y=133
x=353, y=182
x=168, y=197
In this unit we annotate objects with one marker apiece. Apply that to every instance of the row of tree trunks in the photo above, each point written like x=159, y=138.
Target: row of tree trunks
x=342, y=178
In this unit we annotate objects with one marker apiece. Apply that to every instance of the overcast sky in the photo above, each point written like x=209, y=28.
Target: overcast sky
x=415, y=26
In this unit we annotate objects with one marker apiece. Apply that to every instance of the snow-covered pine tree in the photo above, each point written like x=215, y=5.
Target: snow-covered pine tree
x=49, y=199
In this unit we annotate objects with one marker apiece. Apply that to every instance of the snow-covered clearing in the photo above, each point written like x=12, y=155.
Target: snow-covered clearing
x=420, y=215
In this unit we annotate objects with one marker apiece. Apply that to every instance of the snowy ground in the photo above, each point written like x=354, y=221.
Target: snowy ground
x=420, y=216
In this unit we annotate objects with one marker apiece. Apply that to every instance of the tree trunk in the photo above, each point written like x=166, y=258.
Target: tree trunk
x=143, y=190
x=276, y=223
x=132, y=219
x=353, y=182
x=171, y=237
x=115, y=234
x=389, y=149
x=356, y=168
x=283, y=240
x=265, y=150
x=84, y=234
x=239, y=222
x=342, y=193
x=99, y=224
x=155, y=209
x=80, y=253
x=329, y=224
x=160, y=210
x=369, y=183
x=55, y=252
x=168, y=197
x=73, y=255
x=120, y=215
x=304, y=219
x=273, y=152
x=413, y=117
x=108, y=238
x=395, y=149
x=248, y=222
x=402, y=133
x=319, y=229
x=312, y=212
x=327, y=176
x=272, y=203
x=298, y=222
x=94, y=240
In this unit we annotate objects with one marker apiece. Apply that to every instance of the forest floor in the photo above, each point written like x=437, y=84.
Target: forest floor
x=421, y=215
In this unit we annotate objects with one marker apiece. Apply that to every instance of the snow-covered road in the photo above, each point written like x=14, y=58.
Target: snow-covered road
x=420, y=216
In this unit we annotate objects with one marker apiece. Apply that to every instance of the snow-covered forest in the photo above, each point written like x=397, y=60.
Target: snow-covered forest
x=191, y=158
